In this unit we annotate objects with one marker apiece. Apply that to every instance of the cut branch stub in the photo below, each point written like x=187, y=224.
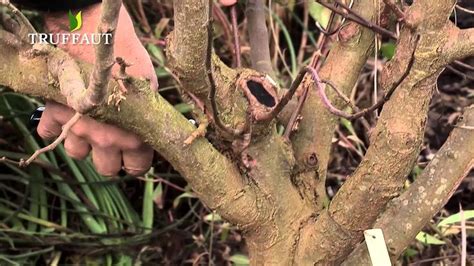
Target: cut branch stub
x=260, y=93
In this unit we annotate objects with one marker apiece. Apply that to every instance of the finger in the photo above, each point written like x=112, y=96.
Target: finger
x=107, y=161
x=106, y=136
x=49, y=127
x=76, y=147
x=137, y=161
x=228, y=2
x=88, y=128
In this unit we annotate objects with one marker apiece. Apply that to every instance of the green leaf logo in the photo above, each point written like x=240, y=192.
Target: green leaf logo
x=75, y=22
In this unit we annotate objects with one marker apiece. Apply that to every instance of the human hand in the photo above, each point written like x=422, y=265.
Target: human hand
x=112, y=148
x=228, y=2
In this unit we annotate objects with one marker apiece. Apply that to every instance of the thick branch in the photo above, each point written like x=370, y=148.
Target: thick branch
x=189, y=49
x=258, y=37
x=211, y=175
x=379, y=176
x=427, y=195
x=312, y=142
x=395, y=141
x=104, y=52
x=187, y=45
x=273, y=242
x=461, y=45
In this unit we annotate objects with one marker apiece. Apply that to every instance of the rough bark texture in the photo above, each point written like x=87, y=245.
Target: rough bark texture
x=395, y=141
x=187, y=45
x=274, y=190
x=104, y=53
x=158, y=123
x=427, y=195
x=315, y=133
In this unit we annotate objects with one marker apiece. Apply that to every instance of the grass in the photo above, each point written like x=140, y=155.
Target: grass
x=61, y=201
x=59, y=210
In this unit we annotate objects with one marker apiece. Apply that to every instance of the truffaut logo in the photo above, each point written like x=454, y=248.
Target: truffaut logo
x=75, y=22
x=63, y=38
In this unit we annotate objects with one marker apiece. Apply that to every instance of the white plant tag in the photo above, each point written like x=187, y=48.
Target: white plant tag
x=377, y=248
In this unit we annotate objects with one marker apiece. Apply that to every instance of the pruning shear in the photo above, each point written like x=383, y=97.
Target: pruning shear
x=35, y=116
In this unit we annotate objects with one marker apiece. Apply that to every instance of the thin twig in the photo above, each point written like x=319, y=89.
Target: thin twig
x=275, y=32
x=396, y=9
x=200, y=131
x=340, y=94
x=294, y=116
x=304, y=33
x=443, y=237
x=6, y=160
x=315, y=63
x=460, y=73
x=104, y=53
x=328, y=31
x=348, y=101
x=465, y=9
x=168, y=183
x=331, y=108
x=21, y=18
x=226, y=26
x=350, y=15
x=466, y=127
x=55, y=143
x=287, y=97
x=464, y=65
x=235, y=30
x=142, y=17
x=211, y=240
x=463, y=237
x=123, y=67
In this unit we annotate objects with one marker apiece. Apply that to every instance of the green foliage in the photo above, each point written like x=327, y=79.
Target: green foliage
x=444, y=228
x=456, y=218
x=291, y=49
x=41, y=204
x=240, y=260
x=185, y=195
x=416, y=171
x=388, y=50
x=213, y=217
x=409, y=252
x=319, y=13
x=183, y=108
x=428, y=239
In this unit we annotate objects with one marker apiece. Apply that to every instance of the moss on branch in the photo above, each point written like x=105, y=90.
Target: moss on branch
x=214, y=178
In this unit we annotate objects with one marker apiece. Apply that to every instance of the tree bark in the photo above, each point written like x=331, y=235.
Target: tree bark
x=408, y=214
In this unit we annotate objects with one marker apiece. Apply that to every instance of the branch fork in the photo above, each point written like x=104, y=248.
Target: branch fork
x=68, y=74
